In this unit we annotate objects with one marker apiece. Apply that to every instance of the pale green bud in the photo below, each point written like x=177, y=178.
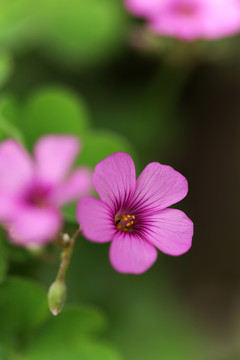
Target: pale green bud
x=56, y=296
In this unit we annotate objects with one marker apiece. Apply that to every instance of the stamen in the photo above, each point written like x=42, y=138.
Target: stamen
x=124, y=222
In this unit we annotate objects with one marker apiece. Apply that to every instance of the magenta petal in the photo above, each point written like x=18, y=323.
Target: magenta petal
x=209, y=19
x=144, y=7
x=223, y=19
x=130, y=254
x=7, y=206
x=114, y=179
x=96, y=219
x=78, y=185
x=170, y=231
x=34, y=226
x=157, y=187
x=16, y=167
x=54, y=156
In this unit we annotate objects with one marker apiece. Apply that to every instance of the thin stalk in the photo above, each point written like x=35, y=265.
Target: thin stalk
x=66, y=256
x=57, y=292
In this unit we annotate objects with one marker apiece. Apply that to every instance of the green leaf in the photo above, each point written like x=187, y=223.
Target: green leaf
x=17, y=23
x=69, y=336
x=84, y=32
x=80, y=33
x=6, y=67
x=8, y=113
x=83, y=321
x=53, y=110
x=9, y=108
x=23, y=307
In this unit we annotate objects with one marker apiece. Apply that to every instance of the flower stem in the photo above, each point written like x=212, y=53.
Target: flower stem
x=58, y=291
x=66, y=256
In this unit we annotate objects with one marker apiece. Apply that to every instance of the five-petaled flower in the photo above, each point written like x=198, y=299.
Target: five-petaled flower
x=33, y=190
x=133, y=213
x=189, y=19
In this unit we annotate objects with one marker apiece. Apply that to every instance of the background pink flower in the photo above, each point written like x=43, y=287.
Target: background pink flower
x=33, y=190
x=144, y=7
x=190, y=19
x=132, y=213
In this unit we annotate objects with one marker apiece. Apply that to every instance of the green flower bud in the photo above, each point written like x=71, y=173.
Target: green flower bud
x=56, y=296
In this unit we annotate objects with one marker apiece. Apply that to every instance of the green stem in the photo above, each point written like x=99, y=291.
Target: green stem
x=57, y=292
x=66, y=256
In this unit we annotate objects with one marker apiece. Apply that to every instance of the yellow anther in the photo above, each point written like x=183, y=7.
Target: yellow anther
x=125, y=222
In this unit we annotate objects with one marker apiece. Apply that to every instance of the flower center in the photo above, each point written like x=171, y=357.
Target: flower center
x=125, y=222
x=37, y=196
x=185, y=9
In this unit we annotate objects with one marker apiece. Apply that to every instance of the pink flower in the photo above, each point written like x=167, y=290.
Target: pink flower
x=189, y=19
x=132, y=213
x=33, y=190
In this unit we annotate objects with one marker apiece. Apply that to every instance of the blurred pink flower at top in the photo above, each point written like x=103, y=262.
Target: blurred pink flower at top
x=33, y=190
x=144, y=8
x=189, y=19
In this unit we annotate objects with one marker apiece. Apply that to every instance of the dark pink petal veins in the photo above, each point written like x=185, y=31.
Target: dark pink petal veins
x=170, y=231
x=96, y=219
x=130, y=254
x=158, y=187
x=114, y=179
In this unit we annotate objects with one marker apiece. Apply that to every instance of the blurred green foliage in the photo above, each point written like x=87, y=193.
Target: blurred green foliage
x=81, y=32
x=6, y=67
x=54, y=110
x=7, y=116
x=24, y=312
x=72, y=335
